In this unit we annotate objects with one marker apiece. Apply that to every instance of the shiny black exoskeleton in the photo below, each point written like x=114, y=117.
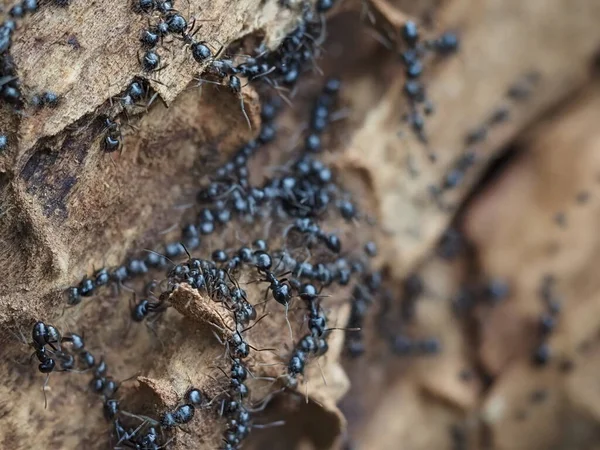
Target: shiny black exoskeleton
x=112, y=139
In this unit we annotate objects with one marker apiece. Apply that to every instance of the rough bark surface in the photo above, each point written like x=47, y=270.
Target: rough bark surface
x=67, y=207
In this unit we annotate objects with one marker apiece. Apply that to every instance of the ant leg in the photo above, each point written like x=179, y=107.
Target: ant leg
x=265, y=401
x=219, y=52
x=286, y=232
x=278, y=423
x=255, y=322
x=214, y=398
x=201, y=81
x=261, y=75
x=127, y=435
x=272, y=365
x=154, y=97
x=168, y=230
x=112, y=160
x=229, y=191
x=322, y=373
x=167, y=443
x=343, y=329
x=265, y=378
x=127, y=288
x=272, y=350
x=278, y=90
x=287, y=305
x=159, y=69
x=306, y=396
x=141, y=417
x=21, y=337
x=153, y=331
x=44, y=391
x=225, y=344
x=264, y=302
x=222, y=330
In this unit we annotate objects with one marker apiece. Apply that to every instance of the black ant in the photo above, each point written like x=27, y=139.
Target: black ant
x=136, y=90
x=176, y=23
x=46, y=99
x=235, y=86
x=324, y=5
x=151, y=61
x=150, y=38
x=200, y=51
x=112, y=139
x=145, y=307
x=307, y=226
x=236, y=346
x=194, y=397
x=19, y=10
x=308, y=345
x=143, y=5
x=164, y=6
x=280, y=290
x=16, y=12
x=181, y=415
x=10, y=92
x=6, y=30
x=47, y=335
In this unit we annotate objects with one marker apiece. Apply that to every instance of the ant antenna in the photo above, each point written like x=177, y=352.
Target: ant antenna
x=186, y=251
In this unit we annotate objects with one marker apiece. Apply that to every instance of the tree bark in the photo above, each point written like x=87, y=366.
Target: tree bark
x=68, y=207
